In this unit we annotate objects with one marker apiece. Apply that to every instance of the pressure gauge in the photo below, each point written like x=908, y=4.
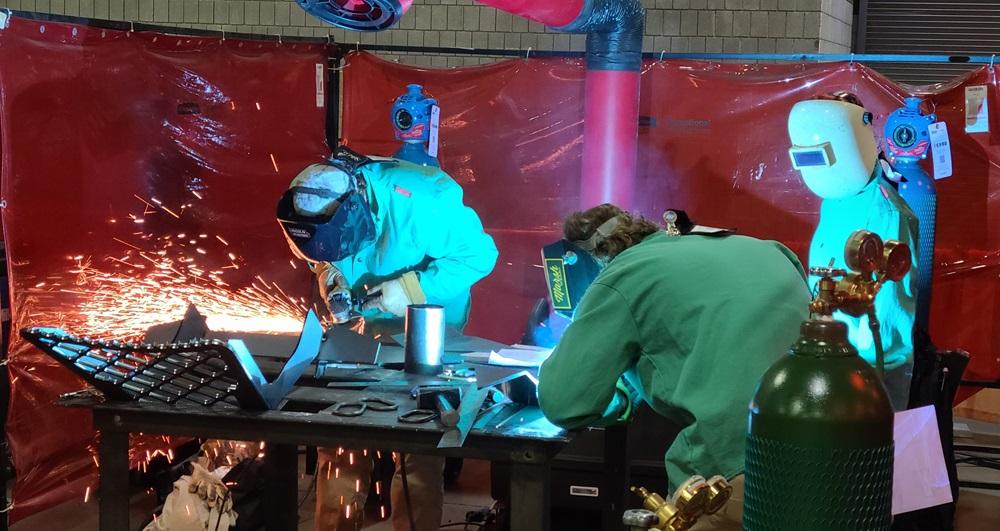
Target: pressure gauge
x=863, y=252
x=896, y=260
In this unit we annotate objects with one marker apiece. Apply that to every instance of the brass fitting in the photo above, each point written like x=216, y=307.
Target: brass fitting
x=692, y=500
x=872, y=264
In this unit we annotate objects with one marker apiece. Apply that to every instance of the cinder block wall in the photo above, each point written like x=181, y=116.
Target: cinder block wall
x=730, y=26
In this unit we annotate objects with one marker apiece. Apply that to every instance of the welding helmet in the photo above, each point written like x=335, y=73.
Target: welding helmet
x=833, y=145
x=325, y=213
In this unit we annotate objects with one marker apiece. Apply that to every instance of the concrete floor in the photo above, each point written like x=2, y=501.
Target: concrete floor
x=978, y=510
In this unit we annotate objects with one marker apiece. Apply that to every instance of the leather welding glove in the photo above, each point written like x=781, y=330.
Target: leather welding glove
x=210, y=489
x=395, y=295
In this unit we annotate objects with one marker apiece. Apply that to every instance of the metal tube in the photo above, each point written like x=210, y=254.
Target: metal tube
x=424, y=347
x=611, y=136
x=552, y=13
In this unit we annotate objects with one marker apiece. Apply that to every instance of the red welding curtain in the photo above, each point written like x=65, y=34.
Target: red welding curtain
x=92, y=121
x=714, y=143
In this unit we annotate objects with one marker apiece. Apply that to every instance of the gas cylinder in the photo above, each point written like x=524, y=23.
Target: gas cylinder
x=819, y=451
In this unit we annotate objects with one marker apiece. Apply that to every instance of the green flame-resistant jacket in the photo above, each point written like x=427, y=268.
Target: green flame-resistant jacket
x=692, y=322
x=421, y=225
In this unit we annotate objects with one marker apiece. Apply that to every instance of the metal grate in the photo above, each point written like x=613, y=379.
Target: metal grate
x=199, y=371
x=928, y=27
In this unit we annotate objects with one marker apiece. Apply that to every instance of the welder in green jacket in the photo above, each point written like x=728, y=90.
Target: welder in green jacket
x=691, y=322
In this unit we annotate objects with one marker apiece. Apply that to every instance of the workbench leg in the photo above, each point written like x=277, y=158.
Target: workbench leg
x=282, y=491
x=530, y=505
x=112, y=491
x=614, y=488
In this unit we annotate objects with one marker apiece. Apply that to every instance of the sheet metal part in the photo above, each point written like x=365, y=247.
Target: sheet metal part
x=468, y=412
x=204, y=372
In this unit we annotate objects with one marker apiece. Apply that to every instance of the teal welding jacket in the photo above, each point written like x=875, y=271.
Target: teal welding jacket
x=421, y=225
x=880, y=209
x=692, y=322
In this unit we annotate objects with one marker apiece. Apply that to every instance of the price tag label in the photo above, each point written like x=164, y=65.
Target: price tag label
x=432, y=148
x=977, y=115
x=320, y=85
x=941, y=149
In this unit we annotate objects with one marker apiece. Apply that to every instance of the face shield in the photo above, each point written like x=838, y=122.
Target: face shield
x=833, y=146
x=323, y=220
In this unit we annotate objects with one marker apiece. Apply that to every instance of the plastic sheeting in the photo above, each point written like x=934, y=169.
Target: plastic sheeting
x=713, y=141
x=114, y=145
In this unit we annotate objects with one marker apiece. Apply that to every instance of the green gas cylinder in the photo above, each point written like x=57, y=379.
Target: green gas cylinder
x=819, y=448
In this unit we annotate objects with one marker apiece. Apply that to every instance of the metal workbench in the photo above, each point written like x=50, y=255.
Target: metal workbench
x=517, y=434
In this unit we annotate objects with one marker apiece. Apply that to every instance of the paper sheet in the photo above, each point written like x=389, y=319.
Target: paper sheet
x=920, y=478
x=519, y=356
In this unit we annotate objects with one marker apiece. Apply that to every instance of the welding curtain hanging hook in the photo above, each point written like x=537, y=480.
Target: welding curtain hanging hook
x=527, y=55
x=223, y=35
x=131, y=27
x=662, y=53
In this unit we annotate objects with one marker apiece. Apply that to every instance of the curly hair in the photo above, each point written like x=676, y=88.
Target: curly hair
x=630, y=230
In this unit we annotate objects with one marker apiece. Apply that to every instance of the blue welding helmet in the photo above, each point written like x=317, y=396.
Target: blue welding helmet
x=343, y=229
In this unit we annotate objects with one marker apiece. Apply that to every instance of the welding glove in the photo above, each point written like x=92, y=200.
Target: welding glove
x=395, y=295
x=210, y=489
x=198, y=501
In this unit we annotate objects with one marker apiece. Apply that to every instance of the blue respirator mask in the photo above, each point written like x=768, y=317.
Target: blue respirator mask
x=345, y=231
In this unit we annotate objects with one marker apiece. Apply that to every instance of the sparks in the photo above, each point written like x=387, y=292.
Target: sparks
x=274, y=163
x=128, y=299
x=86, y=495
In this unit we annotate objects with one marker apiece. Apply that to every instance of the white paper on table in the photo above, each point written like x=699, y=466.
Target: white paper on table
x=519, y=357
x=920, y=478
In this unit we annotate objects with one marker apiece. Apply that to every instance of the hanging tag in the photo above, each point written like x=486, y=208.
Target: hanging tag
x=320, y=84
x=941, y=148
x=432, y=148
x=977, y=115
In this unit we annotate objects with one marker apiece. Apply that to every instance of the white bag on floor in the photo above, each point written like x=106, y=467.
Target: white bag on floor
x=199, y=502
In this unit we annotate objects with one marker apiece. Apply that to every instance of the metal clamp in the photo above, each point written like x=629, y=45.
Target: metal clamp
x=418, y=416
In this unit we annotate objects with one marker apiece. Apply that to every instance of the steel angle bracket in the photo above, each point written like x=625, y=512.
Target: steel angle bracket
x=305, y=353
